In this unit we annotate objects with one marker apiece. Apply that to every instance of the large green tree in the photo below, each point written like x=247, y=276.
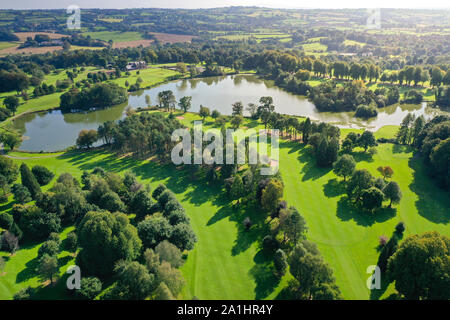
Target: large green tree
x=344, y=166
x=29, y=181
x=106, y=238
x=420, y=267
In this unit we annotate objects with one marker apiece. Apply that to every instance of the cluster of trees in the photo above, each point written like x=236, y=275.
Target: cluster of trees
x=78, y=39
x=329, y=96
x=142, y=257
x=324, y=139
x=163, y=231
x=416, y=75
x=412, y=96
x=363, y=188
x=99, y=96
x=32, y=180
x=443, y=96
x=432, y=139
x=141, y=134
x=13, y=81
x=290, y=68
x=173, y=225
x=424, y=258
x=43, y=90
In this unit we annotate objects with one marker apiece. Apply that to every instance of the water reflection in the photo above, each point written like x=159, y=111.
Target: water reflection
x=50, y=131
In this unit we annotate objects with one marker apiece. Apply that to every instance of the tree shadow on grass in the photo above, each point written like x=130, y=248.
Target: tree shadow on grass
x=347, y=210
x=264, y=274
x=179, y=179
x=7, y=206
x=375, y=294
x=334, y=188
x=399, y=148
x=310, y=170
x=29, y=272
x=294, y=146
x=433, y=202
x=237, y=213
x=262, y=271
x=362, y=156
x=56, y=291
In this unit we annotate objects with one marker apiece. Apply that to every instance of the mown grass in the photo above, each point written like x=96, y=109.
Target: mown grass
x=227, y=262
x=149, y=76
x=20, y=271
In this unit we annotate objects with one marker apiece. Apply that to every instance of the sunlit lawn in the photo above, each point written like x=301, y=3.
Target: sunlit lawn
x=227, y=263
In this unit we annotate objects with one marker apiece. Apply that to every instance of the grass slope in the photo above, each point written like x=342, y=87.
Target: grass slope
x=348, y=238
x=226, y=262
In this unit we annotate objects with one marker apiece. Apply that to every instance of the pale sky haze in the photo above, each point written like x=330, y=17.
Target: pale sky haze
x=120, y=4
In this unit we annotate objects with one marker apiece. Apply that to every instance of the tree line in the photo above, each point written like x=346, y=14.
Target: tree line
x=140, y=255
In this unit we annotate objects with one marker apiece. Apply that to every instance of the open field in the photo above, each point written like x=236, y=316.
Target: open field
x=171, y=38
x=6, y=45
x=24, y=35
x=132, y=44
x=115, y=36
x=30, y=50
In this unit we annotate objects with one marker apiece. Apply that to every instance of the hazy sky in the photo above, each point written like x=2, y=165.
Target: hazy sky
x=46, y=4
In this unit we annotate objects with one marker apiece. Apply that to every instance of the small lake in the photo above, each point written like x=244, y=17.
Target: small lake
x=52, y=131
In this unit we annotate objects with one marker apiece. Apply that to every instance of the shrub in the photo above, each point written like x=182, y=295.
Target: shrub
x=90, y=288
x=400, y=227
x=269, y=243
x=178, y=216
x=6, y=220
x=164, y=198
x=280, y=262
x=71, y=241
x=157, y=192
x=21, y=193
x=363, y=111
x=42, y=175
x=183, y=236
x=49, y=247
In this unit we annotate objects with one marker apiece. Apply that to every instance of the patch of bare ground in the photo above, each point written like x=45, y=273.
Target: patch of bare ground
x=172, y=38
x=30, y=50
x=24, y=35
x=132, y=44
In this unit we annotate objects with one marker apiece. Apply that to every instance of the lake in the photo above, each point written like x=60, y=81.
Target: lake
x=52, y=131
